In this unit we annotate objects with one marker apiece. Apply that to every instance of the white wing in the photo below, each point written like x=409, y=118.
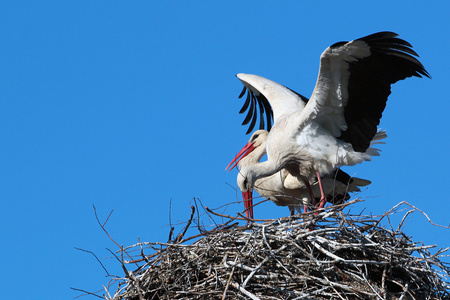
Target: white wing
x=271, y=97
x=354, y=83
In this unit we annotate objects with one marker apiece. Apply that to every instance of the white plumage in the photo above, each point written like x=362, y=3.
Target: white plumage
x=286, y=190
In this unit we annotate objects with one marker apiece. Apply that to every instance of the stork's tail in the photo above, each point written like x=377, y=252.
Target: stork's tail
x=356, y=183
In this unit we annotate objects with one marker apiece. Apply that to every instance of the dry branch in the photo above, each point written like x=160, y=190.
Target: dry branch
x=344, y=257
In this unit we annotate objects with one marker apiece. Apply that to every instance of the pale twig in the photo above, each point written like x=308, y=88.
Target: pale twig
x=244, y=291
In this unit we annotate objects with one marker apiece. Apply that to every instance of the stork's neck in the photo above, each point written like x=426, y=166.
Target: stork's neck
x=253, y=157
x=264, y=169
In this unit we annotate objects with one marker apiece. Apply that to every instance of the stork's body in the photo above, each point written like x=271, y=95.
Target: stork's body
x=286, y=190
x=339, y=123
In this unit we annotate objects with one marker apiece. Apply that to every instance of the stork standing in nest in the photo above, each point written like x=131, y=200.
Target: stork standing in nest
x=286, y=190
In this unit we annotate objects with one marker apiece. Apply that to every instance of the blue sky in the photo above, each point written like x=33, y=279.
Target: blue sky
x=128, y=105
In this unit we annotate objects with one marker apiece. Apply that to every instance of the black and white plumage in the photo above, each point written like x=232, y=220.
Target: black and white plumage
x=255, y=100
x=339, y=123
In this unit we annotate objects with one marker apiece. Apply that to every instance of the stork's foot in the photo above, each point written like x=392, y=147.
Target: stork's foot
x=322, y=202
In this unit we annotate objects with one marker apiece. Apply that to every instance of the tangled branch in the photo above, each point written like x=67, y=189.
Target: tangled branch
x=343, y=257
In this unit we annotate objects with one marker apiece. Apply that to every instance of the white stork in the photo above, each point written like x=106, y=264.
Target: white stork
x=285, y=190
x=338, y=124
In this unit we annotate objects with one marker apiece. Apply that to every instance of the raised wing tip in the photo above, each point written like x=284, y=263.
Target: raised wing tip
x=374, y=36
x=245, y=76
x=248, y=80
x=240, y=75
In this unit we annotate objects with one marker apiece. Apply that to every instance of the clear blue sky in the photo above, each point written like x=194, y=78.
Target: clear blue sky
x=127, y=104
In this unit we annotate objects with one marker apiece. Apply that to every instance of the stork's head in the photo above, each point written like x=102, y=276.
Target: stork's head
x=259, y=137
x=245, y=180
x=256, y=141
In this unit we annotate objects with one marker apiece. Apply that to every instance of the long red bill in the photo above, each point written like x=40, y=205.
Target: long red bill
x=244, y=152
x=248, y=203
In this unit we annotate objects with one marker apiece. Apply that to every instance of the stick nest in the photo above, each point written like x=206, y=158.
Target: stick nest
x=331, y=255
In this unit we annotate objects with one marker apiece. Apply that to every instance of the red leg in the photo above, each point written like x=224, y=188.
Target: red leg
x=313, y=200
x=311, y=194
x=322, y=194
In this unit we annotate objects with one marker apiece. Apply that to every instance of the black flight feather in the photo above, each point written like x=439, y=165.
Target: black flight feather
x=391, y=59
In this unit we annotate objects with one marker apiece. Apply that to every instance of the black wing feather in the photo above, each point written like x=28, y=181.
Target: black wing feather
x=261, y=114
x=250, y=111
x=247, y=100
x=255, y=113
x=264, y=109
x=269, y=115
x=391, y=59
x=243, y=92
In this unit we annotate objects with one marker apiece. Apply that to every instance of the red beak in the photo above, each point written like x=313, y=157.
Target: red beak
x=248, y=203
x=244, y=152
x=247, y=196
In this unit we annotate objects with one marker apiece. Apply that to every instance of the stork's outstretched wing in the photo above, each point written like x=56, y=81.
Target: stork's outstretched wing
x=354, y=83
x=270, y=98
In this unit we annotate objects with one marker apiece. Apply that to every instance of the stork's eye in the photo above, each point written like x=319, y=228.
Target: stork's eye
x=245, y=182
x=255, y=137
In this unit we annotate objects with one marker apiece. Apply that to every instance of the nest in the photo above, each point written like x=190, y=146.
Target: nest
x=327, y=255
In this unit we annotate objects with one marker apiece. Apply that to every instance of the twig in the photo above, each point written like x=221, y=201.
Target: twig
x=104, y=229
x=86, y=293
x=228, y=282
x=95, y=258
x=181, y=235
